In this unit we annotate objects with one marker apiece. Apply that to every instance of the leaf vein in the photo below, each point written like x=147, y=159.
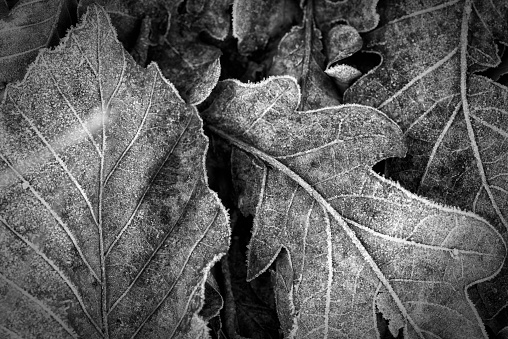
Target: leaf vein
x=41, y=305
x=53, y=265
x=55, y=215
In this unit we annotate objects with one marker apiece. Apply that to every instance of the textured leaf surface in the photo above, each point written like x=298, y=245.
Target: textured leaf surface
x=257, y=21
x=456, y=122
x=299, y=55
x=107, y=225
x=359, y=14
x=30, y=26
x=356, y=242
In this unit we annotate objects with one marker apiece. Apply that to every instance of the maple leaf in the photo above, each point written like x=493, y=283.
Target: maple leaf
x=107, y=226
x=356, y=243
x=28, y=27
x=455, y=121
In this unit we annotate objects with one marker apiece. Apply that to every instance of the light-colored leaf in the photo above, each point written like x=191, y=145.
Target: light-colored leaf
x=107, y=226
x=29, y=27
x=456, y=122
x=357, y=243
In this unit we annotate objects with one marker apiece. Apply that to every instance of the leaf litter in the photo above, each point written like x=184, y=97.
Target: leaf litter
x=336, y=249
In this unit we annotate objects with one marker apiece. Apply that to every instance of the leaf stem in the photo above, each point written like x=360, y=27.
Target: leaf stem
x=309, y=27
x=104, y=108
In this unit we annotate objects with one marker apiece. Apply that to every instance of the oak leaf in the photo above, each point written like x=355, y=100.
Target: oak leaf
x=455, y=121
x=107, y=226
x=356, y=243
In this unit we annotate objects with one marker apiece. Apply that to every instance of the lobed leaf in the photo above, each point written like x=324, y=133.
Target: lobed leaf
x=356, y=243
x=455, y=121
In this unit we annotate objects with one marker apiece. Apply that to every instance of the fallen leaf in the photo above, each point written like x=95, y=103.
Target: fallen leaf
x=357, y=243
x=210, y=16
x=361, y=14
x=29, y=27
x=255, y=22
x=299, y=55
x=342, y=41
x=190, y=64
x=455, y=121
x=107, y=226
x=171, y=37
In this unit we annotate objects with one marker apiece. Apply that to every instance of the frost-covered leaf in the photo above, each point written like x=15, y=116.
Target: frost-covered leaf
x=161, y=31
x=342, y=41
x=28, y=27
x=211, y=16
x=255, y=22
x=192, y=65
x=255, y=311
x=456, y=122
x=299, y=55
x=361, y=14
x=107, y=226
x=357, y=243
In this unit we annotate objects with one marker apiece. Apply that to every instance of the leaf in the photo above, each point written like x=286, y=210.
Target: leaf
x=30, y=26
x=193, y=66
x=254, y=310
x=210, y=16
x=455, y=121
x=359, y=14
x=357, y=243
x=342, y=42
x=171, y=37
x=108, y=228
x=299, y=55
x=256, y=22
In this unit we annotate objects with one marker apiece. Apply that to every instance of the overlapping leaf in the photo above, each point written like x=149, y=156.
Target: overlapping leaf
x=299, y=55
x=256, y=22
x=361, y=15
x=356, y=243
x=30, y=26
x=171, y=37
x=456, y=122
x=107, y=225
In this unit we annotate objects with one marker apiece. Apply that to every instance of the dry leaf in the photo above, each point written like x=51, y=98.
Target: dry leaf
x=30, y=26
x=107, y=226
x=357, y=243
